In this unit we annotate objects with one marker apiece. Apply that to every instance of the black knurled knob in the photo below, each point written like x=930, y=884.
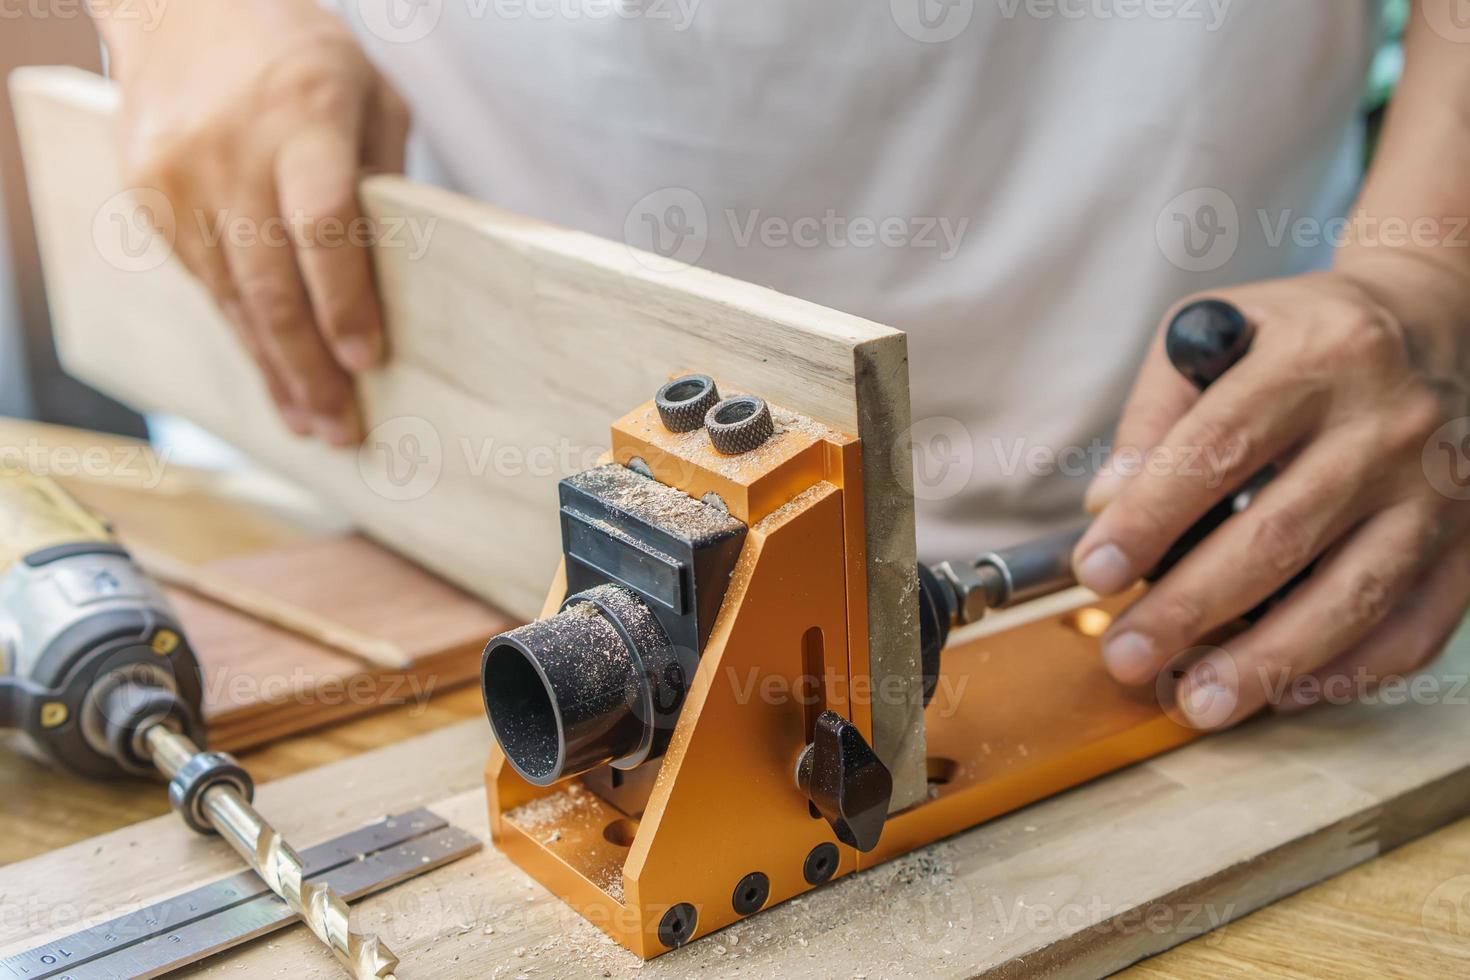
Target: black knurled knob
x=684, y=402
x=1206, y=339
x=738, y=425
x=846, y=781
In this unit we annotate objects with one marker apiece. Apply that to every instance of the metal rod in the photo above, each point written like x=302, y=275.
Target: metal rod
x=1033, y=569
x=279, y=866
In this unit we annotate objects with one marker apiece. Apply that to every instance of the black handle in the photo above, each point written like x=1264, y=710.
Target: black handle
x=846, y=781
x=1206, y=339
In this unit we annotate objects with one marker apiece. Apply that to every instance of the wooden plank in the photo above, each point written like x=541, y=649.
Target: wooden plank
x=265, y=679
x=1079, y=885
x=514, y=346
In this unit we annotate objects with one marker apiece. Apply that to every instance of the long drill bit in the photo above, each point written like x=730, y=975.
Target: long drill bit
x=279, y=866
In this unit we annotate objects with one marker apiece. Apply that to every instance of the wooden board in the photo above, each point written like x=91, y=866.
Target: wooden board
x=514, y=344
x=262, y=681
x=1079, y=885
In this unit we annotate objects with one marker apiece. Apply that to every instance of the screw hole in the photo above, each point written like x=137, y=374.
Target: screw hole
x=1090, y=622
x=736, y=410
x=620, y=832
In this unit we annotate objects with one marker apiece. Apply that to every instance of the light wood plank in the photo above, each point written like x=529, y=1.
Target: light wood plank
x=1080, y=885
x=514, y=346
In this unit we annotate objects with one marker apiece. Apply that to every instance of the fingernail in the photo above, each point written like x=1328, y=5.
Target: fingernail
x=1106, y=570
x=1206, y=696
x=297, y=421
x=1103, y=490
x=1130, y=657
x=340, y=432
x=359, y=353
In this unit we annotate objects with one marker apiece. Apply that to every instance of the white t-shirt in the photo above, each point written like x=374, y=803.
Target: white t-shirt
x=1024, y=186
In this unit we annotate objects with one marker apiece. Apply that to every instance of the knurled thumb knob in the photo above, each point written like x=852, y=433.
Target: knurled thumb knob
x=846, y=781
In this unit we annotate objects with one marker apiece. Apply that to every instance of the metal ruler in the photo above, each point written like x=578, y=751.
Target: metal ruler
x=188, y=927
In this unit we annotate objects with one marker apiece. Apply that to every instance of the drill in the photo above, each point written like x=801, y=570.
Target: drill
x=97, y=678
x=91, y=655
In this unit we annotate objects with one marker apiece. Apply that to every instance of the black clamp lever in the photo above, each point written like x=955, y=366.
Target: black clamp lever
x=846, y=781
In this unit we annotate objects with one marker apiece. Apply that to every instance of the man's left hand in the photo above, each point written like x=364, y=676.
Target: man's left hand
x=1363, y=409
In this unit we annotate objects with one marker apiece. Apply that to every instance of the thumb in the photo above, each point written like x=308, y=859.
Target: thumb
x=1160, y=397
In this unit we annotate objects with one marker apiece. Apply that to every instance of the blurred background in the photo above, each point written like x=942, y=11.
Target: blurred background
x=32, y=384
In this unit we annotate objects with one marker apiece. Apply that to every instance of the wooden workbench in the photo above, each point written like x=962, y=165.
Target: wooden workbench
x=1394, y=916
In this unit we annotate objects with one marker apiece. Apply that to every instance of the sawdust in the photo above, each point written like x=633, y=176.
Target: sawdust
x=793, y=432
x=655, y=502
x=570, y=802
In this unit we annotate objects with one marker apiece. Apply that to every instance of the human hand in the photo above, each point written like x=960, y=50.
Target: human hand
x=1350, y=377
x=254, y=120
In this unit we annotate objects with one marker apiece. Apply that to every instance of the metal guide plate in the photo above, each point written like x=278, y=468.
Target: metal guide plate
x=188, y=927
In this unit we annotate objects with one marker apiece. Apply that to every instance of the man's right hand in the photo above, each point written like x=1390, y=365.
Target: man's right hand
x=254, y=120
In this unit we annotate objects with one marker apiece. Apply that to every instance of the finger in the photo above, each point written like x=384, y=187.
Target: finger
x=385, y=137
x=316, y=178
x=1412, y=635
x=1243, y=422
x=277, y=313
x=1160, y=397
x=1352, y=591
x=1317, y=499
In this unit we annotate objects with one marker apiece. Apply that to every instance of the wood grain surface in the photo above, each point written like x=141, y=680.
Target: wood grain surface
x=264, y=677
x=1081, y=884
x=513, y=346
